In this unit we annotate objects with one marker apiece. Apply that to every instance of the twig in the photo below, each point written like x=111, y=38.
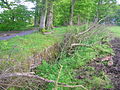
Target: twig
x=10, y=84
x=73, y=86
x=28, y=75
x=90, y=28
x=77, y=44
x=56, y=83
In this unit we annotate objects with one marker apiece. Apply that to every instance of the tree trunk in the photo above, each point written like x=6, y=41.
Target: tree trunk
x=36, y=22
x=72, y=11
x=98, y=10
x=43, y=14
x=49, y=22
x=78, y=23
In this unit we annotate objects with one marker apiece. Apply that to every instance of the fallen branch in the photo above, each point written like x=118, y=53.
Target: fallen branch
x=73, y=86
x=28, y=75
x=56, y=83
x=96, y=24
x=77, y=44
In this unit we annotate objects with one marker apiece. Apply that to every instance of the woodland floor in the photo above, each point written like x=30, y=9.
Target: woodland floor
x=109, y=64
x=114, y=70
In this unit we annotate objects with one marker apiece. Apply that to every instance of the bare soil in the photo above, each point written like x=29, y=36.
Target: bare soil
x=112, y=68
x=115, y=68
x=108, y=64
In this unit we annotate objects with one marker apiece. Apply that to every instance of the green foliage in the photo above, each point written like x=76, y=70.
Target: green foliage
x=83, y=6
x=15, y=19
x=78, y=61
x=115, y=15
x=115, y=30
x=21, y=48
x=86, y=10
x=61, y=12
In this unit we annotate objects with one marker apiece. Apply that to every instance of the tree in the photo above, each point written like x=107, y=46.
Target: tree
x=72, y=11
x=37, y=13
x=5, y=4
x=37, y=10
x=22, y=17
x=43, y=14
x=61, y=13
x=49, y=21
x=103, y=7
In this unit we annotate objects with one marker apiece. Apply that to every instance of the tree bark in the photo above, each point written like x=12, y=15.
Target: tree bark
x=36, y=22
x=78, y=23
x=98, y=10
x=72, y=11
x=31, y=76
x=43, y=15
x=49, y=22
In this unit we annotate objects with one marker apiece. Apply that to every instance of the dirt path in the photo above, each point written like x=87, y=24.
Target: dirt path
x=6, y=37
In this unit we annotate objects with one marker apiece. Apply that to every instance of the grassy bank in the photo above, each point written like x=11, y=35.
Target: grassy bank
x=115, y=30
x=77, y=68
x=21, y=48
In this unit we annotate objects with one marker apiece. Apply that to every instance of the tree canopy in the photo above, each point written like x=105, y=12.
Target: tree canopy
x=49, y=13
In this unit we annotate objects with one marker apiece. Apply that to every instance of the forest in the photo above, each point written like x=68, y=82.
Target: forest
x=59, y=44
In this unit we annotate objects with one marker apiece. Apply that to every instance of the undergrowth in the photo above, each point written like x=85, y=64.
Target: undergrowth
x=76, y=69
x=22, y=48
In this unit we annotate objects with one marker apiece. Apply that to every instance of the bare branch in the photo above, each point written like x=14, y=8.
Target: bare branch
x=77, y=44
x=28, y=75
x=73, y=86
x=96, y=24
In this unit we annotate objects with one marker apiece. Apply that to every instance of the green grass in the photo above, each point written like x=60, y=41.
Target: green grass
x=115, y=30
x=78, y=64
x=22, y=47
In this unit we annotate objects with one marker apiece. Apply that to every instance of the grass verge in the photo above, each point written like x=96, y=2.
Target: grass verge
x=115, y=30
x=76, y=68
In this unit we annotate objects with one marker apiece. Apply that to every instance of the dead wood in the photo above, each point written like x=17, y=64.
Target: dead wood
x=31, y=76
x=77, y=44
x=95, y=25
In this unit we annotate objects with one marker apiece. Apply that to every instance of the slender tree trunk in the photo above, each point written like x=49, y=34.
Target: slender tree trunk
x=43, y=15
x=49, y=22
x=72, y=11
x=36, y=22
x=78, y=23
x=98, y=10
